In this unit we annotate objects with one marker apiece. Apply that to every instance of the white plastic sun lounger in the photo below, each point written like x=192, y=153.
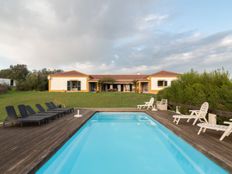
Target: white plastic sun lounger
x=195, y=114
x=147, y=105
x=214, y=126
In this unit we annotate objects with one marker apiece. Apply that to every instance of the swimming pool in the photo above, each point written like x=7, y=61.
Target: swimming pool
x=127, y=143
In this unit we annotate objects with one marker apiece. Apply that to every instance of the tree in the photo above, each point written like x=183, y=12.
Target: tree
x=36, y=80
x=5, y=73
x=16, y=72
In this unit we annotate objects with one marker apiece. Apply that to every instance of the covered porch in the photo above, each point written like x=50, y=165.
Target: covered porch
x=141, y=87
x=118, y=87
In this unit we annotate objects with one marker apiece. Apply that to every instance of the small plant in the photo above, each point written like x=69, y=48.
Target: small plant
x=3, y=88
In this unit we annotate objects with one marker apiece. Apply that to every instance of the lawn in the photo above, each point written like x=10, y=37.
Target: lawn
x=90, y=100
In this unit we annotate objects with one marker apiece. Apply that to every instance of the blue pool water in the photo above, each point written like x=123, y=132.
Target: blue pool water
x=127, y=143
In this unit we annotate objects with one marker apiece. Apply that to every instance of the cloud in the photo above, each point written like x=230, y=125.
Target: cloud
x=208, y=52
x=104, y=37
x=155, y=18
x=150, y=21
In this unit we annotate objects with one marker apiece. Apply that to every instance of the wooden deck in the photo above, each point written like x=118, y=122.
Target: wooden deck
x=24, y=149
x=208, y=142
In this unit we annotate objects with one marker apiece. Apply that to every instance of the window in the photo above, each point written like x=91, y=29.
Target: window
x=78, y=85
x=74, y=85
x=162, y=83
x=68, y=85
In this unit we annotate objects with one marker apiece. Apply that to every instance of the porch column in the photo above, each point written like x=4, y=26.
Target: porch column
x=87, y=86
x=139, y=87
x=119, y=88
x=149, y=86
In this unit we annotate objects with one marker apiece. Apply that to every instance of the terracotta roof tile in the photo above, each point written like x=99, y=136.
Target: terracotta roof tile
x=119, y=77
x=69, y=74
x=116, y=77
x=164, y=74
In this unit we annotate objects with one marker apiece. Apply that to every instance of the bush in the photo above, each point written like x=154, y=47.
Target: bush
x=36, y=80
x=3, y=88
x=194, y=88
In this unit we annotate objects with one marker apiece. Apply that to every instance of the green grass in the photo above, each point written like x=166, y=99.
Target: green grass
x=90, y=100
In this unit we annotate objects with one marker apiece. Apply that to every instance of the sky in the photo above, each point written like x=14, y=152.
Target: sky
x=117, y=36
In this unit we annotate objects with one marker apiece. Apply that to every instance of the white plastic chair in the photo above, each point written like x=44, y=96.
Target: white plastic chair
x=147, y=105
x=212, y=124
x=195, y=114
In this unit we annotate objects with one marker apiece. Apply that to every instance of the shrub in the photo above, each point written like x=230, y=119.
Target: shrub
x=36, y=80
x=193, y=88
x=3, y=88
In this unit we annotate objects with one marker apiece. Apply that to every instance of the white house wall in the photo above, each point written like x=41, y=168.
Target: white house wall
x=60, y=83
x=154, y=82
x=7, y=82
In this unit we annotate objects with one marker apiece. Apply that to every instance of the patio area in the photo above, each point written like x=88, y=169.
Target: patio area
x=23, y=149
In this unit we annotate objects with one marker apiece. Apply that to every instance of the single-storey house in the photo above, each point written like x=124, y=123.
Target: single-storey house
x=74, y=81
x=8, y=82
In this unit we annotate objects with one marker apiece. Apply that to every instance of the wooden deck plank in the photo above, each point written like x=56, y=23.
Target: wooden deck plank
x=23, y=148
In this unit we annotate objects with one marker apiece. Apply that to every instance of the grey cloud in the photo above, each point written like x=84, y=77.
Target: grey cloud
x=183, y=51
x=66, y=31
x=103, y=36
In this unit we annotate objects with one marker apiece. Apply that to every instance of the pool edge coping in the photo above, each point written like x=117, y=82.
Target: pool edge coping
x=186, y=138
